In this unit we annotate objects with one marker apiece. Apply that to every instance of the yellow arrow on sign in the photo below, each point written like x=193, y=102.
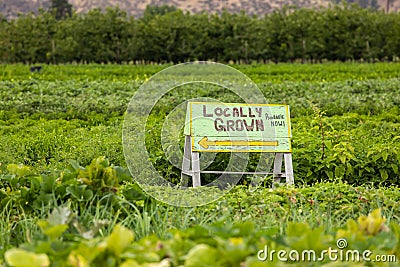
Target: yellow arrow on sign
x=205, y=143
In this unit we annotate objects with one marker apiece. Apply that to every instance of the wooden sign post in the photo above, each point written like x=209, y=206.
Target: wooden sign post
x=229, y=127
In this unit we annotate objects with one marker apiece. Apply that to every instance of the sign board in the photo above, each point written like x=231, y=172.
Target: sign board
x=236, y=127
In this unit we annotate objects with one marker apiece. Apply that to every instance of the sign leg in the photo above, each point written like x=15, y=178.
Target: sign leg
x=186, y=162
x=196, y=169
x=289, y=168
x=277, y=173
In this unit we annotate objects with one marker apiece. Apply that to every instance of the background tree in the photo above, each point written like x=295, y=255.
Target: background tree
x=237, y=37
x=103, y=36
x=31, y=38
x=61, y=8
x=158, y=10
x=66, y=41
x=6, y=54
x=213, y=47
x=277, y=32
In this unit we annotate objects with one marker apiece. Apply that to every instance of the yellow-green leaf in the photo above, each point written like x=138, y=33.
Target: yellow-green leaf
x=384, y=174
x=19, y=170
x=77, y=260
x=53, y=232
x=119, y=239
x=21, y=258
x=130, y=263
x=372, y=224
x=201, y=255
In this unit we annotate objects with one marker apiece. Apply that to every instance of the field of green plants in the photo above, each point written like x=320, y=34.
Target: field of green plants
x=67, y=198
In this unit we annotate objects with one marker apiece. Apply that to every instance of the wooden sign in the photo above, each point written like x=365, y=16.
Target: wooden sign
x=222, y=127
x=236, y=127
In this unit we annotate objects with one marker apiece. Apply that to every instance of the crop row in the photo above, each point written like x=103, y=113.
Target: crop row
x=276, y=73
x=85, y=99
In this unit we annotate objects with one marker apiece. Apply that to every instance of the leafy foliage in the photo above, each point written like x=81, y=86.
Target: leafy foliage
x=217, y=244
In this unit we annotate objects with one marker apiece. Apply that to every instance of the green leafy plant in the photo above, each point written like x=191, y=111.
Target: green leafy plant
x=99, y=174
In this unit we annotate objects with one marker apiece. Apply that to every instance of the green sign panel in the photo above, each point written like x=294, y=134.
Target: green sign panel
x=230, y=127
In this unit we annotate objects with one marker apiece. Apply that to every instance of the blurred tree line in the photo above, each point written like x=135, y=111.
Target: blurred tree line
x=164, y=34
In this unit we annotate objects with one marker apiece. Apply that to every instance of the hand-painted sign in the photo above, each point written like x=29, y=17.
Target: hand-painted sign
x=225, y=127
